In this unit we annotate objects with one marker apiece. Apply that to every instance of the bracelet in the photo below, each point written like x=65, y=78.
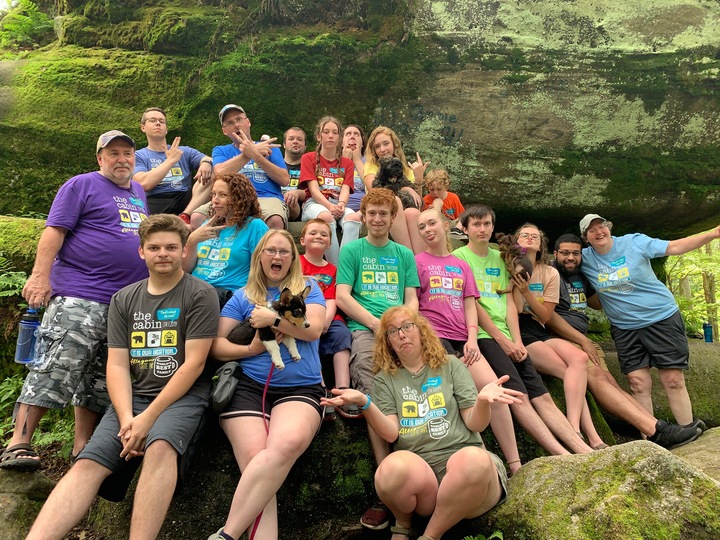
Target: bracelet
x=472, y=326
x=514, y=461
x=369, y=401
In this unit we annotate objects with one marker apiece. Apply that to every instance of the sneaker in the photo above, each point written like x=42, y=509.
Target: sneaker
x=329, y=414
x=671, y=436
x=697, y=424
x=349, y=410
x=457, y=234
x=376, y=517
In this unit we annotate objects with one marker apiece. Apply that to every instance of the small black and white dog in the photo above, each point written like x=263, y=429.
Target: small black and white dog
x=392, y=176
x=290, y=307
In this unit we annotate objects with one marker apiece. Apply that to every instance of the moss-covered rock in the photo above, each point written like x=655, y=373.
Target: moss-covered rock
x=21, y=497
x=634, y=490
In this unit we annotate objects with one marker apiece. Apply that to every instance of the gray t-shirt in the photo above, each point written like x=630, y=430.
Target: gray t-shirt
x=154, y=328
x=428, y=407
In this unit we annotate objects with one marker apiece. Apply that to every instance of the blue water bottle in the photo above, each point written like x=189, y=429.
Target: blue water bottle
x=708, y=332
x=25, y=350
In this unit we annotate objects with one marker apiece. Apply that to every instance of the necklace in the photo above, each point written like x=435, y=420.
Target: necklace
x=417, y=372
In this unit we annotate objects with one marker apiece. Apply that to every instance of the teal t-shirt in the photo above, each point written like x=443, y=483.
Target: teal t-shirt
x=490, y=276
x=378, y=275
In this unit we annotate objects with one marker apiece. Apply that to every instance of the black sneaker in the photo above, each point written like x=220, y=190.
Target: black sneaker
x=672, y=436
x=697, y=424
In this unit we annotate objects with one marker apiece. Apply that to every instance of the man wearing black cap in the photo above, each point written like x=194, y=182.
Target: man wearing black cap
x=262, y=162
x=87, y=252
x=646, y=324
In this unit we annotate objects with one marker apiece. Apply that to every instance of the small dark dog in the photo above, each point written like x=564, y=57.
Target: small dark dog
x=290, y=307
x=516, y=260
x=392, y=176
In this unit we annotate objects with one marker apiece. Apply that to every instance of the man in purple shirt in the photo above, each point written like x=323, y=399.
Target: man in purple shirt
x=87, y=252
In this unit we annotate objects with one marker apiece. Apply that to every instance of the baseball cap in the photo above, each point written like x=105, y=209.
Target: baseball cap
x=587, y=220
x=109, y=136
x=227, y=108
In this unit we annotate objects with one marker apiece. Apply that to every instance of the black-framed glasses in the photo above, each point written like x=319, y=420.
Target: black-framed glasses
x=406, y=329
x=566, y=253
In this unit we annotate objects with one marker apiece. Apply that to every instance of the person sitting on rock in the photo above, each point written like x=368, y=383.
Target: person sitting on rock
x=571, y=322
x=645, y=320
x=425, y=403
x=159, y=334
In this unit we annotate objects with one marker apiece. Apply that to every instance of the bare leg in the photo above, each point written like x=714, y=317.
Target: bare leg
x=673, y=381
x=200, y=195
x=588, y=428
x=275, y=222
x=26, y=422
x=616, y=401
x=500, y=418
x=381, y=449
x=641, y=387
x=399, y=228
x=85, y=422
x=341, y=365
x=562, y=360
x=470, y=488
x=558, y=424
x=154, y=490
x=411, y=218
x=292, y=427
x=69, y=501
x=406, y=484
x=530, y=421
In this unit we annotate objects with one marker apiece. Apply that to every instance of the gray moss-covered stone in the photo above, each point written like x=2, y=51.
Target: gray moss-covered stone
x=703, y=453
x=21, y=496
x=634, y=490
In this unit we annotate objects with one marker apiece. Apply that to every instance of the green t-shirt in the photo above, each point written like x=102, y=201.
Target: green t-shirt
x=490, y=276
x=428, y=408
x=378, y=275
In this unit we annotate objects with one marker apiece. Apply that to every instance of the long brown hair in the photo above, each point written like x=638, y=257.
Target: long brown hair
x=541, y=257
x=318, y=132
x=243, y=201
x=384, y=356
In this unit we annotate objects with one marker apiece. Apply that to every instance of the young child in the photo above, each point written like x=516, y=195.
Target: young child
x=335, y=339
x=444, y=201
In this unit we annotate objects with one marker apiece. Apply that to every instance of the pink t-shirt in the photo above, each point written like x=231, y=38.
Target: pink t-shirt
x=445, y=282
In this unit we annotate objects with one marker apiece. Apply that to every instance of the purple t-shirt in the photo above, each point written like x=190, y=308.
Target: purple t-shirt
x=100, y=253
x=445, y=282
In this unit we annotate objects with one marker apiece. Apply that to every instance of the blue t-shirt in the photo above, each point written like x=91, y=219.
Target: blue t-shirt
x=224, y=262
x=263, y=184
x=631, y=295
x=304, y=372
x=178, y=178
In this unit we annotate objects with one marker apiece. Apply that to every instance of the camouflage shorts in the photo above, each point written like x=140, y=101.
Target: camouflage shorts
x=71, y=357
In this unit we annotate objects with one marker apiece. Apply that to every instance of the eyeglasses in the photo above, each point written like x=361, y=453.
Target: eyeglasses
x=597, y=227
x=160, y=121
x=406, y=329
x=532, y=236
x=282, y=252
x=566, y=253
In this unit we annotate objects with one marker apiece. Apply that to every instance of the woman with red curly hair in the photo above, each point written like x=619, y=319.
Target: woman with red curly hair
x=425, y=403
x=219, y=251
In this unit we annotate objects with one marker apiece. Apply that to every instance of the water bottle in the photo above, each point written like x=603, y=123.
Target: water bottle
x=25, y=350
x=708, y=332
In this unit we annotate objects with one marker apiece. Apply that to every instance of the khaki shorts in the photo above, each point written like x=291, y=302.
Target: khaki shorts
x=271, y=206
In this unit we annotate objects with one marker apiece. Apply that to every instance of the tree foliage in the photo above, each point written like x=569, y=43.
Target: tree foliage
x=24, y=26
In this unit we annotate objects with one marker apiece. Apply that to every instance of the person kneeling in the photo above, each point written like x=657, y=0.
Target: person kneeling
x=427, y=405
x=158, y=396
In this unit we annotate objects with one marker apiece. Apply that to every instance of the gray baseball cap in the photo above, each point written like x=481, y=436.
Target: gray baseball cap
x=109, y=136
x=227, y=108
x=587, y=220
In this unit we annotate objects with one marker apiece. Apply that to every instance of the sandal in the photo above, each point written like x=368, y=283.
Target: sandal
x=601, y=446
x=20, y=457
x=376, y=517
x=405, y=531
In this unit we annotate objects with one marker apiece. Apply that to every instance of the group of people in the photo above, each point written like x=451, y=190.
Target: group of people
x=430, y=345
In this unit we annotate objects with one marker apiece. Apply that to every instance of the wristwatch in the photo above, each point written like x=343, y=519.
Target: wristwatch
x=277, y=322
x=207, y=160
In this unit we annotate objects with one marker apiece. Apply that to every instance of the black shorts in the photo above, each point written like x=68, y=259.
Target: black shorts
x=531, y=330
x=169, y=203
x=523, y=375
x=662, y=345
x=247, y=400
x=454, y=346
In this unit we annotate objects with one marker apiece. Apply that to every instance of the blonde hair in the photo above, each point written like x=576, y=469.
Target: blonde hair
x=444, y=221
x=371, y=157
x=256, y=288
x=438, y=177
x=384, y=356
